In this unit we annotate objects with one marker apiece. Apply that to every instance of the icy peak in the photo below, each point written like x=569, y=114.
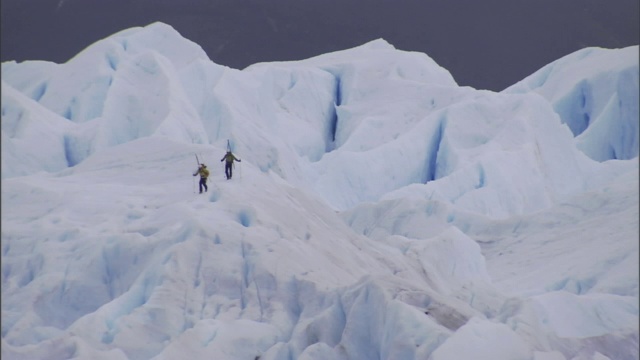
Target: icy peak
x=379, y=211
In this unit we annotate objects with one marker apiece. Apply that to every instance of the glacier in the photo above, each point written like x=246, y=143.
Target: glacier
x=381, y=211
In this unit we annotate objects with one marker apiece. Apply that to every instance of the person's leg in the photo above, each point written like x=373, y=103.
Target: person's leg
x=206, y=188
x=201, y=184
x=227, y=170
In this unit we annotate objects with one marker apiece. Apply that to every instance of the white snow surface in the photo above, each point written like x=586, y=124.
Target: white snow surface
x=380, y=210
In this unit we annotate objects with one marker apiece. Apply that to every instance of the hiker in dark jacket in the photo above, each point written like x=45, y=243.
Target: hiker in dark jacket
x=204, y=174
x=229, y=157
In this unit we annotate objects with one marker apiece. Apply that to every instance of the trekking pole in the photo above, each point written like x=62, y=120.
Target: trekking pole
x=194, y=177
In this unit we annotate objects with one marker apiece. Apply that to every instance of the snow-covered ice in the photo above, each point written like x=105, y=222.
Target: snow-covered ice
x=380, y=210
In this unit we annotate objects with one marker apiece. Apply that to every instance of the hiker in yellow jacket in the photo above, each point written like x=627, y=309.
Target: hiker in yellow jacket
x=204, y=174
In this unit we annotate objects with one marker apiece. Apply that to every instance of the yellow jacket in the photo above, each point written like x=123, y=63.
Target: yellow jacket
x=204, y=173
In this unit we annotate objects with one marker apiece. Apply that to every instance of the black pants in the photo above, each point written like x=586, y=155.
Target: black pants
x=228, y=169
x=203, y=182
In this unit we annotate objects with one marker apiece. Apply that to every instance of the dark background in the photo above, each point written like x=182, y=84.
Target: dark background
x=486, y=44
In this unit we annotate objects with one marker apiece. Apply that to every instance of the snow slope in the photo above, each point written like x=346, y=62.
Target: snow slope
x=380, y=211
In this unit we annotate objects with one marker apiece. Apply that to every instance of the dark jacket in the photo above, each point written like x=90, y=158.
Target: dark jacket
x=229, y=157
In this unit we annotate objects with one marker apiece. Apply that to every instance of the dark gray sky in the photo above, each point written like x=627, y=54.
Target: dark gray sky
x=486, y=44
